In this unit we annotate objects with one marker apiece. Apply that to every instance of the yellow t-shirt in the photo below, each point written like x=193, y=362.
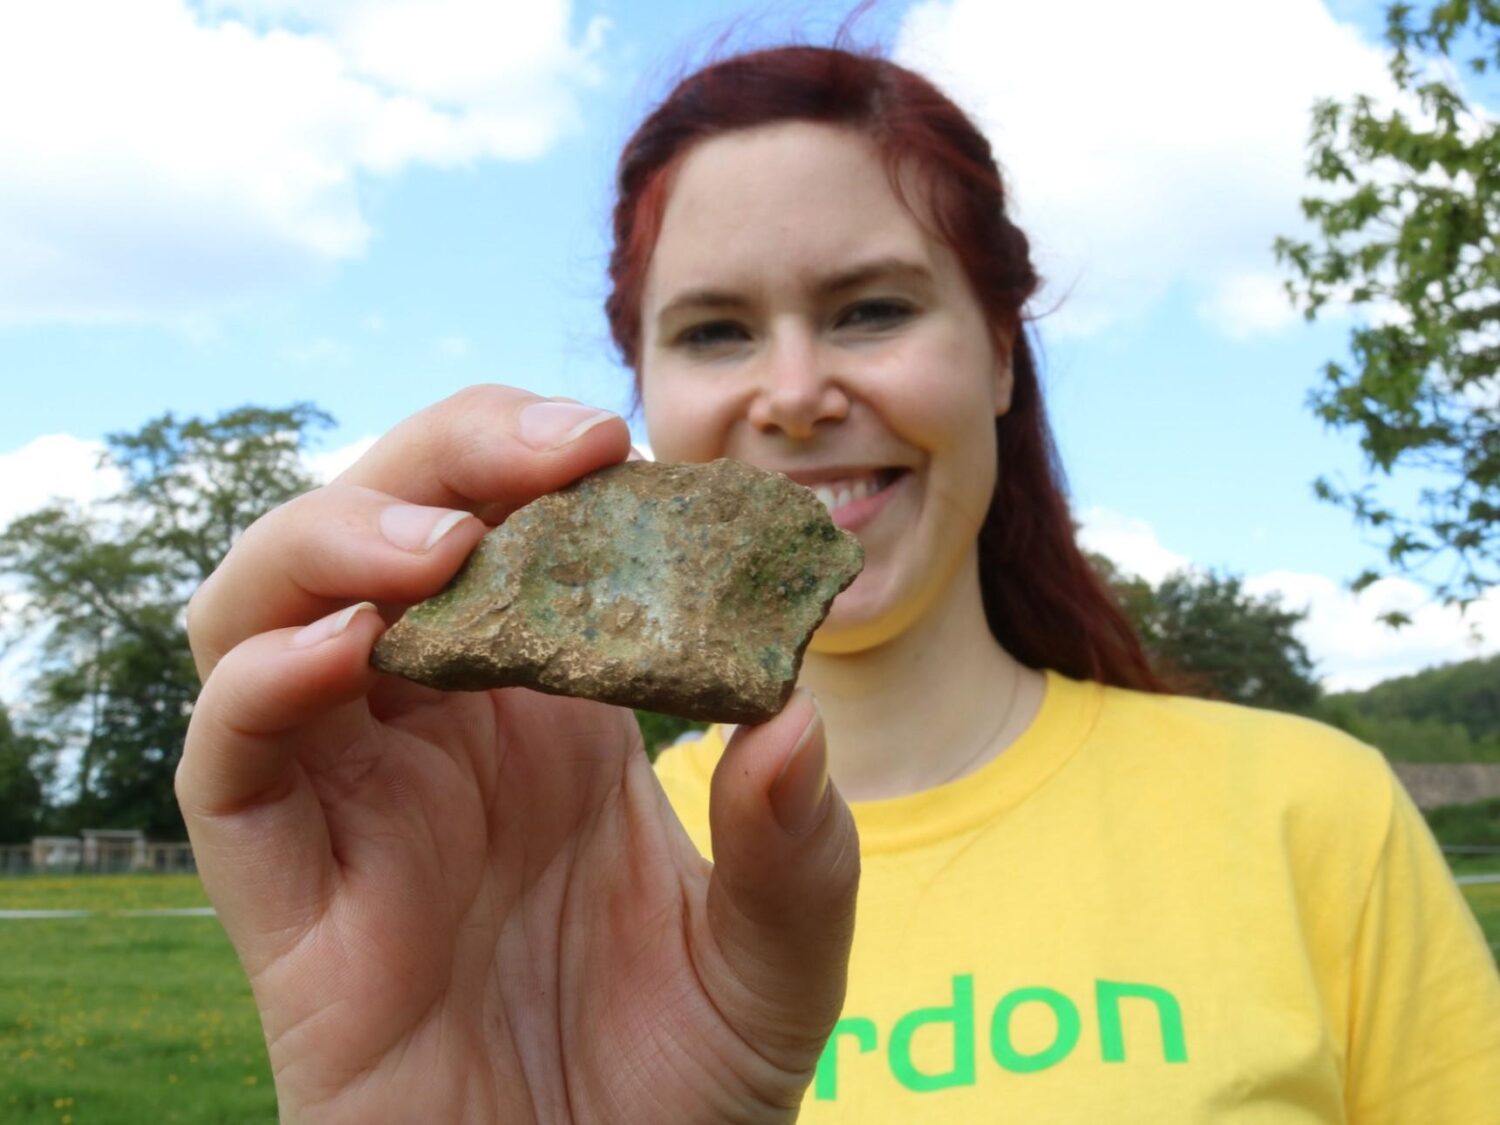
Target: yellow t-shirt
x=1154, y=909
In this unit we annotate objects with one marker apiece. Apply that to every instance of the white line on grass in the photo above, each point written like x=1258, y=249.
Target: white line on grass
x=178, y=912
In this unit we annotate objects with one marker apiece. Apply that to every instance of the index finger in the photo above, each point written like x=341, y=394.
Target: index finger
x=490, y=449
x=487, y=450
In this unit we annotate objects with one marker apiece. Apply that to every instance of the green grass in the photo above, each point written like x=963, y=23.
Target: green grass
x=1475, y=864
x=1484, y=900
x=124, y=1020
x=100, y=892
x=148, y=1021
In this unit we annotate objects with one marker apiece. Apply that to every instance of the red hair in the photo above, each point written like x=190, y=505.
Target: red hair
x=1044, y=602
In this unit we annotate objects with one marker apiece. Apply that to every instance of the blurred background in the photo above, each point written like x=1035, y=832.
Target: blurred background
x=239, y=240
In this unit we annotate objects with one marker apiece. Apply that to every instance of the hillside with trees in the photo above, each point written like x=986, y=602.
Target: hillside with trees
x=1446, y=714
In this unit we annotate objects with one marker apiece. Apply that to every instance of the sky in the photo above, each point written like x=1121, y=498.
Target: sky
x=369, y=204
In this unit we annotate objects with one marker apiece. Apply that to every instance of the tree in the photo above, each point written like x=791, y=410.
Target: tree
x=105, y=593
x=1208, y=637
x=1450, y=713
x=24, y=775
x=1407, y=231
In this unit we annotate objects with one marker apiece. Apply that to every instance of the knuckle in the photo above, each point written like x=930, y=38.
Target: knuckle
x=476, y=408
x=483, y=397
x=288, y=530
x=193, y=616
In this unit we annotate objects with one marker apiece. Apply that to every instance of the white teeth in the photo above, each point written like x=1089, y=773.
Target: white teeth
x=836, y=494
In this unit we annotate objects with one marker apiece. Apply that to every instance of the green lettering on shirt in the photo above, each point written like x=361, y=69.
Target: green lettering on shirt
x=1068, y=1023
x=960, y=1014
x=1109, y=993
x=826, y=1081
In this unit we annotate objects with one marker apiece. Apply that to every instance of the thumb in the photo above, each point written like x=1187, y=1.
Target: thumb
x=781, y=897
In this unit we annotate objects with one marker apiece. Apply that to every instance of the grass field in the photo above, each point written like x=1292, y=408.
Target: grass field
x=135, y=1021
x=145, y=1021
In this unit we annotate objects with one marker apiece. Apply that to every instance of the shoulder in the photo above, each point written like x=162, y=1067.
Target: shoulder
x=1231, y=736
x=1319, y=784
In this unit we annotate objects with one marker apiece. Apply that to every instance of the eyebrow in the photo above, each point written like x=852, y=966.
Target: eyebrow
x=877, y=269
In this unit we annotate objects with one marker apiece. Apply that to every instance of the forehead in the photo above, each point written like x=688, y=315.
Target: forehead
x=780, y=200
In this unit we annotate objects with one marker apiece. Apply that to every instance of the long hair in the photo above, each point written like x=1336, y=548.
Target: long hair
x=1043, y=601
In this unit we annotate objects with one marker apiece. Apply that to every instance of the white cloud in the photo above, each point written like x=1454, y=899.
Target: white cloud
x=1350, y=647
x=1354, y=649
x=53, y=467
x=1130, y=543
x=168, y=162
x=1151, y=145
x=1248, y=304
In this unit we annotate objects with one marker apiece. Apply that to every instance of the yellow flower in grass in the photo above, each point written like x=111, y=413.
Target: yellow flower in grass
x=61, y=1103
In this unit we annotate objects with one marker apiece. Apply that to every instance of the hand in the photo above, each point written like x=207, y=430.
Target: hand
x=480, y=907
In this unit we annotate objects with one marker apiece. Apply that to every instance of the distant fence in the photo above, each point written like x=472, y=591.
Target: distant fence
x=95, y=852
x=1433, y=785
x=103, y=851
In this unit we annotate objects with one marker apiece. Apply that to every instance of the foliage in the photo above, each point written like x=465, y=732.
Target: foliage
x=105, y=591
x=1473, y=825
x=1208, y=637
x=24, y=772
x=1407, y=231
x=658, y=731
x=1445, y=714
x=1466, y=693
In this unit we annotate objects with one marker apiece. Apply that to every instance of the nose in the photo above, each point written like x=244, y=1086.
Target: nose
x=798, y=388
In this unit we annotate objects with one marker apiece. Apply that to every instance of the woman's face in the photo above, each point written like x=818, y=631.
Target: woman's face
x=797, y=317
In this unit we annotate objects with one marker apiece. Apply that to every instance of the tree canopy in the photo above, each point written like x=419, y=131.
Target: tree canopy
x=23, y=777
x=1209, y=637
x=1406, y=219
x=104, y=593
x=1446, y=714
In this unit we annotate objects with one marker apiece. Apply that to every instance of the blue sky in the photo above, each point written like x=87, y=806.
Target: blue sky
x=372, y=203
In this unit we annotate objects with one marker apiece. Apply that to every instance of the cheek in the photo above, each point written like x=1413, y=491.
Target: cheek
x=941, y=389
x=679, y=424
x=940, y=416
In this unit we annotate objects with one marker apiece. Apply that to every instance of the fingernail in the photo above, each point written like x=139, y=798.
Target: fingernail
x=800, y=791
x=326, y=628
x=550, y=425
x=413, y=527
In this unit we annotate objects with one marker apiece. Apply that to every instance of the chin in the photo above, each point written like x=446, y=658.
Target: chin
x=857, y=622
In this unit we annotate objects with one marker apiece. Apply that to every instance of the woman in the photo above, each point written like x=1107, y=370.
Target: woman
x=1083, y=899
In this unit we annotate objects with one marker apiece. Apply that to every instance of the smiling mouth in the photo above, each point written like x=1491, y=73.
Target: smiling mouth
x=836, y=494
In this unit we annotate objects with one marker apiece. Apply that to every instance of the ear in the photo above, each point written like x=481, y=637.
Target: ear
x=1005, y=382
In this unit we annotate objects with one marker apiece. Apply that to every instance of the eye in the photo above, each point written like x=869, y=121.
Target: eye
x=875, y=314
x=711, y=334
